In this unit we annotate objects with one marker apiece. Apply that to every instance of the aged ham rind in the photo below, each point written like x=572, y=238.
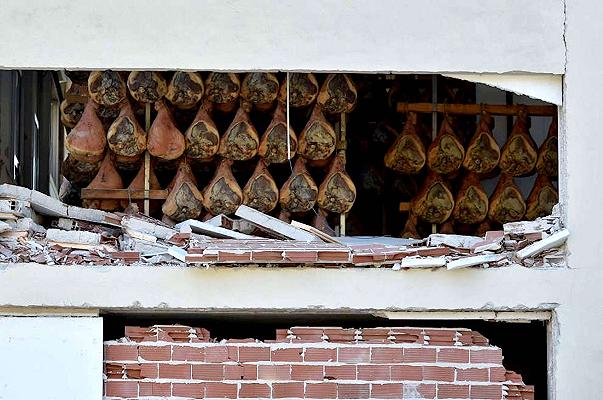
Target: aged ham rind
x=146, y=86
x=185, y=89
x=222, y=195
x=77, y=172
x=223, y=89
x=547, y=163
x=471, y=203
x=337, y=192
x=260, y=89
x=483, y=153
x=138, y=184
x=106, y=178
x=317, y=140
x=410, y=227
x=125, y=136
x=273, y=145
x=107, y=114
x=434, y=202
x=337, y=94
x=261, y=191
x=87, y=140
x=542, y=198
x=106, y=88
x=506, y=203
x=202, y=137
x=319, y=221
x=518, y=156
x=303, y=89
x=164, y=140
x=445, y=154
x=299, y=192
x=184, y=201
x=240, y=141
x=71, y=112
x=407, y=153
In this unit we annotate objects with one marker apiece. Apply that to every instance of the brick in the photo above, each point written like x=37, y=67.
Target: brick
x=194, y=390
x=497, y=374
x=175, y=371
x=453, y=355
x=241, y=372
x=386, y=355
x=321, y=390
x=274, y=372
x=316, y=355
x=434, y=373
x=254, y=390
x=254, y=354
x=155, y=389
x=219, y=390
x=490, y=356
x=155, y=353
x=208, y=372
x=218, y=354
x=292, y=355
x=353, y=390
x=373, y=372
x=188, y=353
x=486, y=392
x=473, y=375
x=307, y=372
x=115, y=352
x=419, y=391
x=149, y=370
x=419, y=355
x=386, y=391
x=354, y=354
x=122, y=389
x=406, y=373
x=288, y=390
x=446, y=391
x=346, y=372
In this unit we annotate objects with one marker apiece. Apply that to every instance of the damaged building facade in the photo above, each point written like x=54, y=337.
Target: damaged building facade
x=396, y=200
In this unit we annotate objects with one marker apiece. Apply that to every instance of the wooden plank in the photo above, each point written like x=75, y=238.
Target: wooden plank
x=123, y=194
x=314, y=231
x=147, y=161
x=274, y=224
x=404, y=206
x=212, y=230
x=475, y=109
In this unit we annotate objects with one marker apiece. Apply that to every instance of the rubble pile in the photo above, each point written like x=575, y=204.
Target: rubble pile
x=40, y=229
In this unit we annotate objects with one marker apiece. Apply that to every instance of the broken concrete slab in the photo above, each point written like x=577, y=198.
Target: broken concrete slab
x=422, y=262
x=148, y=228
x=212, y=230
x=555, y=240
x=474, y=260
x=275, y=225
x=73, y=237
x=456, y=241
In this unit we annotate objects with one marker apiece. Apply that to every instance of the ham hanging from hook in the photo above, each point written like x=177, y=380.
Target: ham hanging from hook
x=106, y=178
x=445, y=154
x=138, y=184
x=337, y=192
x=261, y=191
x=260, y=89
x=483, y=153
x=337, y=94
x=547, y=163
x=87, y=140
x=222, y=195
x=518, y=156
x=434, y=202
x=303, y=89
x=542, y=198
x=223, y=89
x=407, y=153
x=106, y=87
x=471, y=202
x=240, y=141
x=506, y=203
x=185, y=89
x=299, y=192
x=147, y=86
x=273, y=144
x=202, y=137
x=164, y=140
x=317, y=140
x=79, y=173
x=125, y=136
x=184, y=200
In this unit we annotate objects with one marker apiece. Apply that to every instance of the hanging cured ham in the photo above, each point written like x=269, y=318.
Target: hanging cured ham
x=222, y=195
x=240, y=141
x=223, y=89
x=147, y=86
x=164, y=140
x=261, y=191
x=273, y=147
x=202, y=137
x=106, y=178
x=260, y=89
x=445, y=154
x=106, y=87
x=317, y=140
x=471, y=202
x=410, y=227
x=542, y=198
x=518, y=156
x=125, y=136
x=547, y=163
x=407, y=153
x=337, y=192
x=337, y=94
x=87, y=140
x=299, y=192
x=185, y=89
x=71, y=112
x=434, y=202
x=506, y=203
x=79, y=173
x=483, y=153
x=184, y=200
x=138, y=184
x=303, y=89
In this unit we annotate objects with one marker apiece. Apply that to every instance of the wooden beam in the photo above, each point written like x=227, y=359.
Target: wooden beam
x=475, y=109
x=124, y=194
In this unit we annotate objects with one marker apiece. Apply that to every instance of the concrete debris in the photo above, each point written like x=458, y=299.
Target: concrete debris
x=40, y=229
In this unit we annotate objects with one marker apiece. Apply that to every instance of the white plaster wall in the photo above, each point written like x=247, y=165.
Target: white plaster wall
x=349, y=35
x=51, y=358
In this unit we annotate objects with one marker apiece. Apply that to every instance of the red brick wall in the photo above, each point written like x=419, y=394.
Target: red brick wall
x=314, y=363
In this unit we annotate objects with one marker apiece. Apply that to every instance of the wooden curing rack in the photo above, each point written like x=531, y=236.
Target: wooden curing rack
x=125, y=194
x=341, y=148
